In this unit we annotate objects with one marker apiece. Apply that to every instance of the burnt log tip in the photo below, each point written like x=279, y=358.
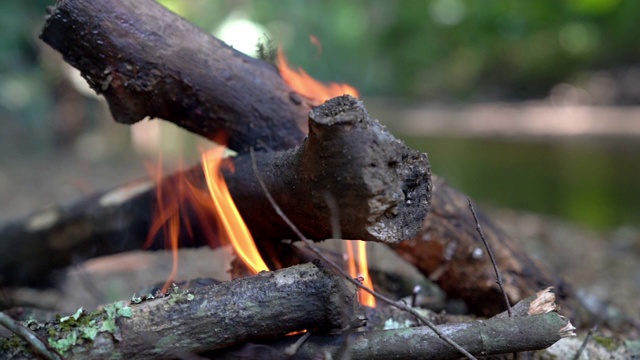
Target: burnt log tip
x=343, y=109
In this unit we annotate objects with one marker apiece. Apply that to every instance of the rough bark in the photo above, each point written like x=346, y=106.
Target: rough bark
x=147, y=61
x=535, y=325
x=381, y=189
x=450, y=251
x=266, y=306
x=128, y=102
x=482, y=337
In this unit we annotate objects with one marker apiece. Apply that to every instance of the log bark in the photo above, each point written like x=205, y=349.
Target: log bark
x=147, y=61
x=535, y=325
x=130, y=74
x=381, y=189
x=482, y=337
x=450, y=250
x=266, y=306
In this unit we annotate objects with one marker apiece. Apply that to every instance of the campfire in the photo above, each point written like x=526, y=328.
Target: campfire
x=311, y=165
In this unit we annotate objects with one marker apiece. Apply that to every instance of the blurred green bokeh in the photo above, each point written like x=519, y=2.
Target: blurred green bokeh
x=443, y=49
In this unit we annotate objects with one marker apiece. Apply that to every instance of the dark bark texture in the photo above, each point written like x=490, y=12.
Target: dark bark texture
x=265, y=306
x=149, y=62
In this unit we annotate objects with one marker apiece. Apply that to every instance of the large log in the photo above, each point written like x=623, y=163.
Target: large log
x=451, y=251
x=147, y=61
x=266, y=306
x=380, y=187
x=136, y=47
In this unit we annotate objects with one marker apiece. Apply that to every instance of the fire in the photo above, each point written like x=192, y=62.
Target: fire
x=359, y=268
x=233, y=227
x=305, y=85
x=180, y=200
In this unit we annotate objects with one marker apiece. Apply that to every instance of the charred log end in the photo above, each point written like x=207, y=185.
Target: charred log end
x=394, y=180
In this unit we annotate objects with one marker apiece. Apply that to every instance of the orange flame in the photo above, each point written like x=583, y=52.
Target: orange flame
x=234, y=228
x=359, y=268
x=174, y=197
x=305, y=85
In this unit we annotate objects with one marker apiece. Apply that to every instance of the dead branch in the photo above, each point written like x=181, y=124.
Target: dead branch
x=265, y=306
x=535, y=325
x=482, y=337
x=450, y=251
x=141, y=53
x=381, y=186
x=398, y=304
x=147, y=61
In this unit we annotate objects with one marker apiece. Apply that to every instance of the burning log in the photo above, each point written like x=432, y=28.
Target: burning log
x=129, y=51
x=265, y=306
x=149, y=62
x=381, y=188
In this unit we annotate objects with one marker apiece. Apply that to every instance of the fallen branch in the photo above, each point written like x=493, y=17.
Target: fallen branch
x=398, y=304
x=482, y=337
x=265, y=306
x=535, y=326
x=450, y=251
x=147, y=61
x=140, y=50
x=381, y=187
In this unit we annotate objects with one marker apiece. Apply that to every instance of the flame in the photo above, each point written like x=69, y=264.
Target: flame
x=359, y=268
x=234, y=228
x=178, y=203
x=305, y=85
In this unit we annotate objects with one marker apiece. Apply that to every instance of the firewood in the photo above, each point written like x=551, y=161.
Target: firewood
x=265, y=306
x=147, y=61
x=480, y=337
x=535, y=326
x=451, y=252
x=381, y=187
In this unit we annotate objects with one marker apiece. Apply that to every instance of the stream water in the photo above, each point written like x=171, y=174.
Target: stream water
x=592, y=181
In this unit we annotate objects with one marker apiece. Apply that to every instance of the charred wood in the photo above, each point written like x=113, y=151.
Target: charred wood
x=382, y=189
x=450, y=251
x=149, y=62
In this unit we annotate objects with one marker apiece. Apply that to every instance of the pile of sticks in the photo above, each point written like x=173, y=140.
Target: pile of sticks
x=327, y=167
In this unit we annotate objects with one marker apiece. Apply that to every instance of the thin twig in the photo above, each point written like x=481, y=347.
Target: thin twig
x=493, y=259
x=38, y=345
x=585, y=342
x=338, y=269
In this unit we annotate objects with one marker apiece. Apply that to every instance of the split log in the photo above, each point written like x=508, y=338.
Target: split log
x=149, y=62
x=118, y=32
x=265, y=306
x=381, y=188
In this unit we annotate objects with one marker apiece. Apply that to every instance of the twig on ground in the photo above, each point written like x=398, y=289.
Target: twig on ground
x=493, y=259
x=293, y=349
x=338, y=269
x=585, y=342
x=38, y=345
